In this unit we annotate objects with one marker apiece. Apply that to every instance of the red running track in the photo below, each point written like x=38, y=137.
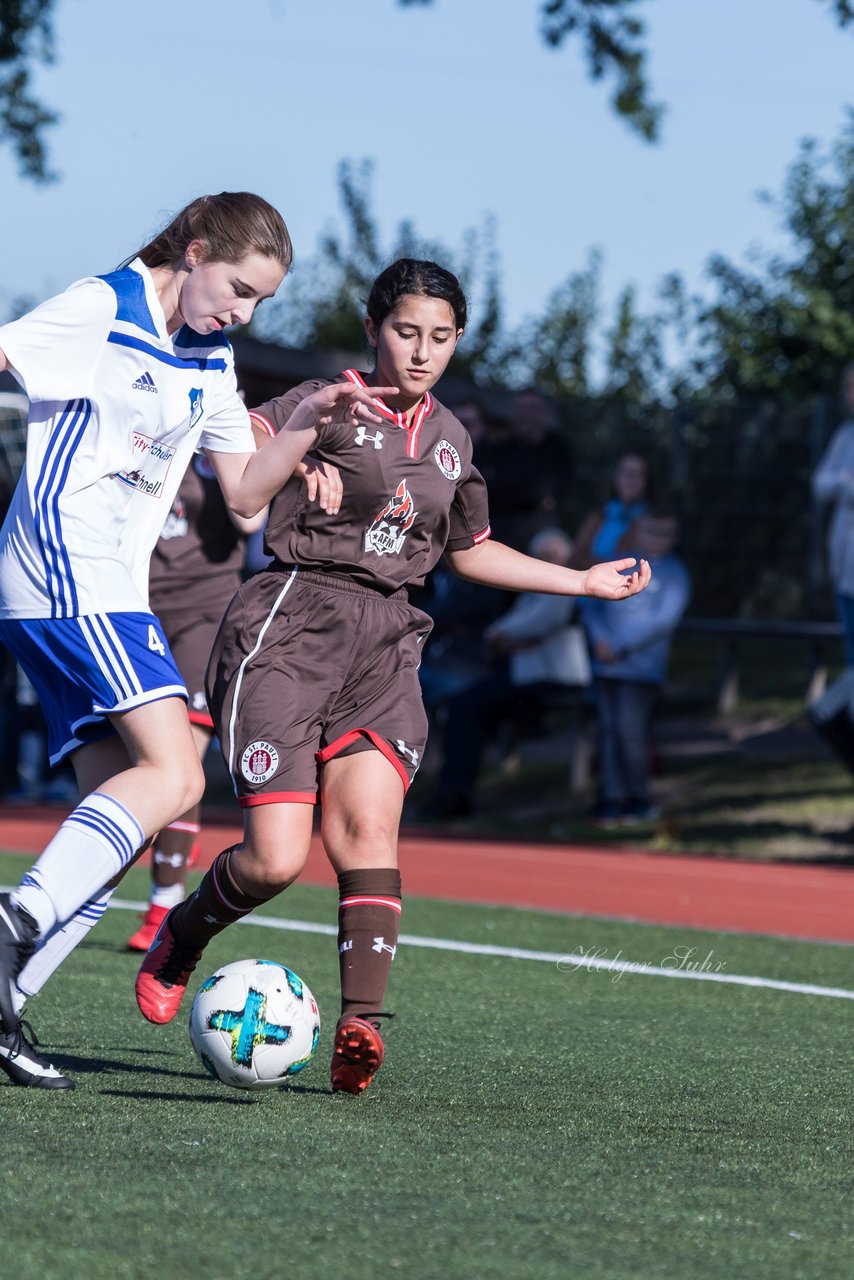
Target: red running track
x=788, y=900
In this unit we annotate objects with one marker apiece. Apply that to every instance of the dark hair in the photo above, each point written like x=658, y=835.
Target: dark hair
x=419, y=278
x=231, y=225
x=649, y=483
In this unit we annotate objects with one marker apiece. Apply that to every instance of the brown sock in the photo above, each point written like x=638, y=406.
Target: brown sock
x=216, y=904
x=368, y=929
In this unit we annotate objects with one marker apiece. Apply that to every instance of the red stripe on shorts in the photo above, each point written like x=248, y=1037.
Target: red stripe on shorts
x=278, y=797
x=336, y=747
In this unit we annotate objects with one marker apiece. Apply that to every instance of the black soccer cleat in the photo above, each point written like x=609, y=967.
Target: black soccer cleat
x=25, y=1066
x=18, y=936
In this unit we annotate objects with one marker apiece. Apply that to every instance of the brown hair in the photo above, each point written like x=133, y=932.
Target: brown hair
x=231, y=225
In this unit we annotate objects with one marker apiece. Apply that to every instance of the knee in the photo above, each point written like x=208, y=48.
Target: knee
x=363, y=841
x=262, y=871
x=186, y=785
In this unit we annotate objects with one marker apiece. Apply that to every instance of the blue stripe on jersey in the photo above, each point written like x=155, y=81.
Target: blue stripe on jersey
x=177, y=362
x=51, y=567
x=46, y=495
x=187, y=337
x=86, y=410
x=46, y=530
x=132, y=304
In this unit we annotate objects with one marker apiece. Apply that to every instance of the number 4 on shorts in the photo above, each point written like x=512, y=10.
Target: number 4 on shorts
x=155, y=644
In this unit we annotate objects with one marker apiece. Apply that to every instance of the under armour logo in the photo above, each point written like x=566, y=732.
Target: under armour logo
x=362, y=436
x=410, y=752
x=380, y=945
x=345, y=946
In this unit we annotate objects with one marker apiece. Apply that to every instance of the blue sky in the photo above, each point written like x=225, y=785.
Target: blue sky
x=463, y=110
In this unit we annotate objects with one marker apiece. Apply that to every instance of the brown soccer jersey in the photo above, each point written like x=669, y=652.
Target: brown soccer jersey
x=321, y=659
x=409, y=492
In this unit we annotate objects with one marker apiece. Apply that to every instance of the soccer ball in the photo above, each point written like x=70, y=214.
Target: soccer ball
x=254, y=1024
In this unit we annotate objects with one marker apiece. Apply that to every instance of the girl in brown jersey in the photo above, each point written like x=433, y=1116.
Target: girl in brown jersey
x=313, y=680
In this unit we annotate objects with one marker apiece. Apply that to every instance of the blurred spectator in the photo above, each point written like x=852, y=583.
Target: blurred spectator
x=456, y=655
x=32, y=779
x=630, y=649
x=833, y=482
x=526, y=469
x=545, y=653
x=470, y=414
x=609, y=533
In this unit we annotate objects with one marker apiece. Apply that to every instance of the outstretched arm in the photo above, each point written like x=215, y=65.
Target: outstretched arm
x=250, y=480
x=495, y=565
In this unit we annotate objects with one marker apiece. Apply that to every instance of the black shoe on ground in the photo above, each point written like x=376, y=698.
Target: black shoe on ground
x=18, y=934
x=25, y=1066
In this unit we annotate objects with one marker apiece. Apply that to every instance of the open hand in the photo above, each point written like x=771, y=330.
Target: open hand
x=610, y=581
x=343, y=403
x=323, y=482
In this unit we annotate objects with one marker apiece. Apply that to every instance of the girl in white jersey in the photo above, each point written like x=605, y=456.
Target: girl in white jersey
x=127, y=374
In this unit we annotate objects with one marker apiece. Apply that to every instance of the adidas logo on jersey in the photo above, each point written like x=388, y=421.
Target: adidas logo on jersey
x=144, y=382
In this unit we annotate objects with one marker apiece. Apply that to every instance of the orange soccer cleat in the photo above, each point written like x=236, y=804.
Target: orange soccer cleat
x=151, y=922
x=164, y=974
x=357, y=1054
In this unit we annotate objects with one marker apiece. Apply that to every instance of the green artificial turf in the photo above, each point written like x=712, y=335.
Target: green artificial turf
x=530, y=1122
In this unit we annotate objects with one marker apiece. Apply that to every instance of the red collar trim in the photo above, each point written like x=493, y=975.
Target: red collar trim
x=397, y=416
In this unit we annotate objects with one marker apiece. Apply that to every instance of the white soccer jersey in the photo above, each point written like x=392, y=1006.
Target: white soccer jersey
x=117, y=408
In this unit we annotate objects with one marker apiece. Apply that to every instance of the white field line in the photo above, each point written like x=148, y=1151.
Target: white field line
x=564, y=962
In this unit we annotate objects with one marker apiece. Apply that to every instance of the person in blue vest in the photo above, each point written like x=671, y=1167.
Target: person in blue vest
x=630, y=654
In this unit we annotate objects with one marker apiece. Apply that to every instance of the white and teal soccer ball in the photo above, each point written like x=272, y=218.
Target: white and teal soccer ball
x=254, y=1024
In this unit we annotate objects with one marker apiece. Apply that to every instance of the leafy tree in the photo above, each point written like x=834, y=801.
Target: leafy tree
x=785, y=325
x=614, y=44
x=324, y=305
x=612, y=35
x=553, y=351
x=635, y=366
x=26, y=35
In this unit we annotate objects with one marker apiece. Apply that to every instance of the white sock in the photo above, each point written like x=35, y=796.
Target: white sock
x=167, y=895
x=94, y=843
x=58, y=944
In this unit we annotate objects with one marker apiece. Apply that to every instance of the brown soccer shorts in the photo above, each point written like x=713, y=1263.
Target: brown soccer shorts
x=308, y=665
